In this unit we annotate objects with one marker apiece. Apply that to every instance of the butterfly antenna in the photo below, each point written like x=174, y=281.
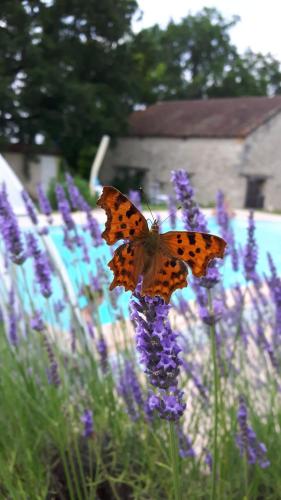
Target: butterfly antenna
x=146, y=202
x=178, y=208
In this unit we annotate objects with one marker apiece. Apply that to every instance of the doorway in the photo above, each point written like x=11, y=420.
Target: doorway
x=255, y=192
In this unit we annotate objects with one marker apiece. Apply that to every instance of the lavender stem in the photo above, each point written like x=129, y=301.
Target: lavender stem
x=175, y=460
x=216, y=400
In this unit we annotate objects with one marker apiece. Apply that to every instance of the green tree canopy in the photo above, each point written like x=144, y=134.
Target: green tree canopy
x=64, y=71
x=195, y=59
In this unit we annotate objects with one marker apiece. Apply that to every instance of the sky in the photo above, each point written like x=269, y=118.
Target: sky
x=258, y=29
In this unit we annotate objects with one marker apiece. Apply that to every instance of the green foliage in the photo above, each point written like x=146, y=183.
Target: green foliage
x=85, y=160
x=195, y=58
x=79, y=182
x=63, y=71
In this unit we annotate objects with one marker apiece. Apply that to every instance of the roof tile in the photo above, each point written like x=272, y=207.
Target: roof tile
x=226, y=117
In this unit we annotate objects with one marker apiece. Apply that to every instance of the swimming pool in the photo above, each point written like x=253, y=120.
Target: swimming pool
x=267, y=234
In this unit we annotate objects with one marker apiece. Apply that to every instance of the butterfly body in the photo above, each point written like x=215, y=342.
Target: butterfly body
x=161, y=259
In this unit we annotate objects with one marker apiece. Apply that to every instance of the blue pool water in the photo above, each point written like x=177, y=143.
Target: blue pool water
x=268, y=238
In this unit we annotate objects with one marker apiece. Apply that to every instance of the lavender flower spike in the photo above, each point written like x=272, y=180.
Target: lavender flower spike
x=42, y=267
x=246, y=439
x=44, y=203
x=64, y=207
x=251, y=251
x=193, y=218
x=87, y=420
x=29, y=207
x=159, y=352
x=9, y=229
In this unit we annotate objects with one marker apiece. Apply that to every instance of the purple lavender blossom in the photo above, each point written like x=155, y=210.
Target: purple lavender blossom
x=274, y=283
x=12, y=319
x=64, y=207
x=246, y=439
x=37, y=322
x=185, y=444
x=59, y=306
x=44, y=203
x=135, y=197
x=227, y=233
x=130, y=390
x=250, y=254
x=210, y=318
x=9, y=229
x=208, y=458
x=52, y=371
x=87, y=421
x=102, y=350
x=159, y=352
x=42, y=267
x=193, y=219
x=91, y=329
x=74, y=193
x=93, y=228
x=30, y=208
x=79, y=203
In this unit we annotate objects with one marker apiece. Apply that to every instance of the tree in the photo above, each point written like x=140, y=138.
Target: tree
x=196, y=59
x=65, y=71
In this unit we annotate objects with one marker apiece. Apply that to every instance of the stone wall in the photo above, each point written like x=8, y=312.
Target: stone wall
x=41, y=168
x=262, y=156
x=214, y=164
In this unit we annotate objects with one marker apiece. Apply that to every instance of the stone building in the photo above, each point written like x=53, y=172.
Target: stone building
x=32, y=164
x=233, y=144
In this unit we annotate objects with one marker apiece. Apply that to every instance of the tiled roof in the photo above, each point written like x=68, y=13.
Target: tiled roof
x=227, y=117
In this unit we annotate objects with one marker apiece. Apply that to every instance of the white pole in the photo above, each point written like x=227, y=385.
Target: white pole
x=102, y=149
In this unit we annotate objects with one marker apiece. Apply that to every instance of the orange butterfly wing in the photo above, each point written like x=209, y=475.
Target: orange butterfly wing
x=127, y=265
x=196, y=249
x=124, y=220
x=163, y=276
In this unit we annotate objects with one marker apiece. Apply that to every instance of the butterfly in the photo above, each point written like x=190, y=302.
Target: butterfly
x=161, y=259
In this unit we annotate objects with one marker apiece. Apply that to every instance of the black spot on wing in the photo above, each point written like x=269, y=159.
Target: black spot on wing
x=119, y=235
x=180, y=251
x=119, y=200
x=208, y=240
x=191, y=238
x=133, y=210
